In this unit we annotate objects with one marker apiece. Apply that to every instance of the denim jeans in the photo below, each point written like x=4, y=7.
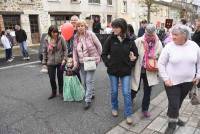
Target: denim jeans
x=126, y=91
x=88, y=83
x=8, y=53
x=24, y=48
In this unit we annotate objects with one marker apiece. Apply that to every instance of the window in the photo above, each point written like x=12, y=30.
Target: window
x=94, y=1
x=109, y=19
x=34, y=23
x=58, y=20
x=10, y=21
x=124, y=6
x=109, y=2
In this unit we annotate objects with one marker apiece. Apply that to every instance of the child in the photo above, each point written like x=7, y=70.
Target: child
x=72, y=88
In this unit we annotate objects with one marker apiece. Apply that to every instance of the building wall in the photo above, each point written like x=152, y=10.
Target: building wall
x=86, y=9
x=24, y=8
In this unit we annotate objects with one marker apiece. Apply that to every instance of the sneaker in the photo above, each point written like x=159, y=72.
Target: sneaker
x=44, y=70
x=87, y=105
x=10, y=60
x=28, y=58
x=180, y=123
x=114, y=113
x=24, y=58
x=129, y=120
x=146, y=114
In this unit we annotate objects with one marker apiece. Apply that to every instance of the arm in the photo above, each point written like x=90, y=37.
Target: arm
x=160, y=47
x=64, y=50
x=97, y=43
x=162, y=63
x=75, y=55
x=17, y=36
x=106, y=51
x=135, y=52
x=25, y=36
x=198, y=64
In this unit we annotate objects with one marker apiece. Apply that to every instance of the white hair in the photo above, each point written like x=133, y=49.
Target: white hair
x=183, y=29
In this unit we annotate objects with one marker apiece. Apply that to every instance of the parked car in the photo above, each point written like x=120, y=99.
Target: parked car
x=101, y=37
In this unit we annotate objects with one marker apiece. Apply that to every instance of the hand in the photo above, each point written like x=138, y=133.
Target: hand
x=132, y=56
x=196, y=81
x=63, y=62
x=168, y=83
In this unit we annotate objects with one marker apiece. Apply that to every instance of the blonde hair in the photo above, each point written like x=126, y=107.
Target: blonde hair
x=81, y=22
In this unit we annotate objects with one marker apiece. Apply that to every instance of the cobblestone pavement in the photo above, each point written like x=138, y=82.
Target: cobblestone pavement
x=157, y=123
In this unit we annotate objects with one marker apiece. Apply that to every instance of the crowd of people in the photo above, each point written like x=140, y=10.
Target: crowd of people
x=174, y=55
x=129, y=60
x=10, y=38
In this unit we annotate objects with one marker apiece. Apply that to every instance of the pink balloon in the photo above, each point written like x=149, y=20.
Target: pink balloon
x=67, y=31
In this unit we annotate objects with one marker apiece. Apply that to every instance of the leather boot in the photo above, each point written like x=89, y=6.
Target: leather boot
x=53, y=95
x=171, y=128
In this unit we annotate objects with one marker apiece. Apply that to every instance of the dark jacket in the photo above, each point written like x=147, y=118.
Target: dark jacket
x=115, y=55
x=21, y=36
x=141, y=32
x=196, y=37
x=96, y=27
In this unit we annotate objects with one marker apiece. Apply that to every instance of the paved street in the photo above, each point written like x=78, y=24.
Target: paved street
x=24, y=108
x=157, y=123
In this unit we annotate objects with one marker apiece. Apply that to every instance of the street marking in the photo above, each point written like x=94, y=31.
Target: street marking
x=19, y=65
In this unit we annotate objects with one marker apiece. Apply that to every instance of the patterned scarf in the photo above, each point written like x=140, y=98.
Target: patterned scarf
x=149, y=46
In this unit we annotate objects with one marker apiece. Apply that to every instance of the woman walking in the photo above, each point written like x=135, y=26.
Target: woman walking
x=179, y=67
x=54, y=55
x=119, y=55
x=86, y=46
x=149, y=49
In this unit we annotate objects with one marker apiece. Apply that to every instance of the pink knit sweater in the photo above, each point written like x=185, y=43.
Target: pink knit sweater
x=87, y=45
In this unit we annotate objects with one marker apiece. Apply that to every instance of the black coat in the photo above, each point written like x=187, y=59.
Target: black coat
x=115, y=55
x=21, y=36
x=196, y=37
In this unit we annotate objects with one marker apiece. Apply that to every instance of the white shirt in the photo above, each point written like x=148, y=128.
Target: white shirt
x=178, y=62
x=5, y=42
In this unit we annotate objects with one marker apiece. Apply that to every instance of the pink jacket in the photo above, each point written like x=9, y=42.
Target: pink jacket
x=87, y=45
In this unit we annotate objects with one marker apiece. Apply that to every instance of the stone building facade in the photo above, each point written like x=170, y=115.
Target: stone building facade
x=29, y=14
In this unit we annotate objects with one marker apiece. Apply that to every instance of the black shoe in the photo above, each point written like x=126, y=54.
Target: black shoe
x=87, y=105
x=180, y=123
x=171, y=128
x=93, y=97
x=52, y=96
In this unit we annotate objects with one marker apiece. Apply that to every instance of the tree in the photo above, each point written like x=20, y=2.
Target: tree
x=148, y=4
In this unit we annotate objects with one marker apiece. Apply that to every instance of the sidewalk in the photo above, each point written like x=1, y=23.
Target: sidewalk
x=33, y=49
x=157, y=123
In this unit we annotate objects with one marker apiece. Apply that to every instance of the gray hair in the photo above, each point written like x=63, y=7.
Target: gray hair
x=183, y=29
x=150, y=29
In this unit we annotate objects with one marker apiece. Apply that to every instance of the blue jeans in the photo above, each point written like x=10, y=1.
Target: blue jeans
x=24, y=48
x=88, y=82
x=126, y=91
